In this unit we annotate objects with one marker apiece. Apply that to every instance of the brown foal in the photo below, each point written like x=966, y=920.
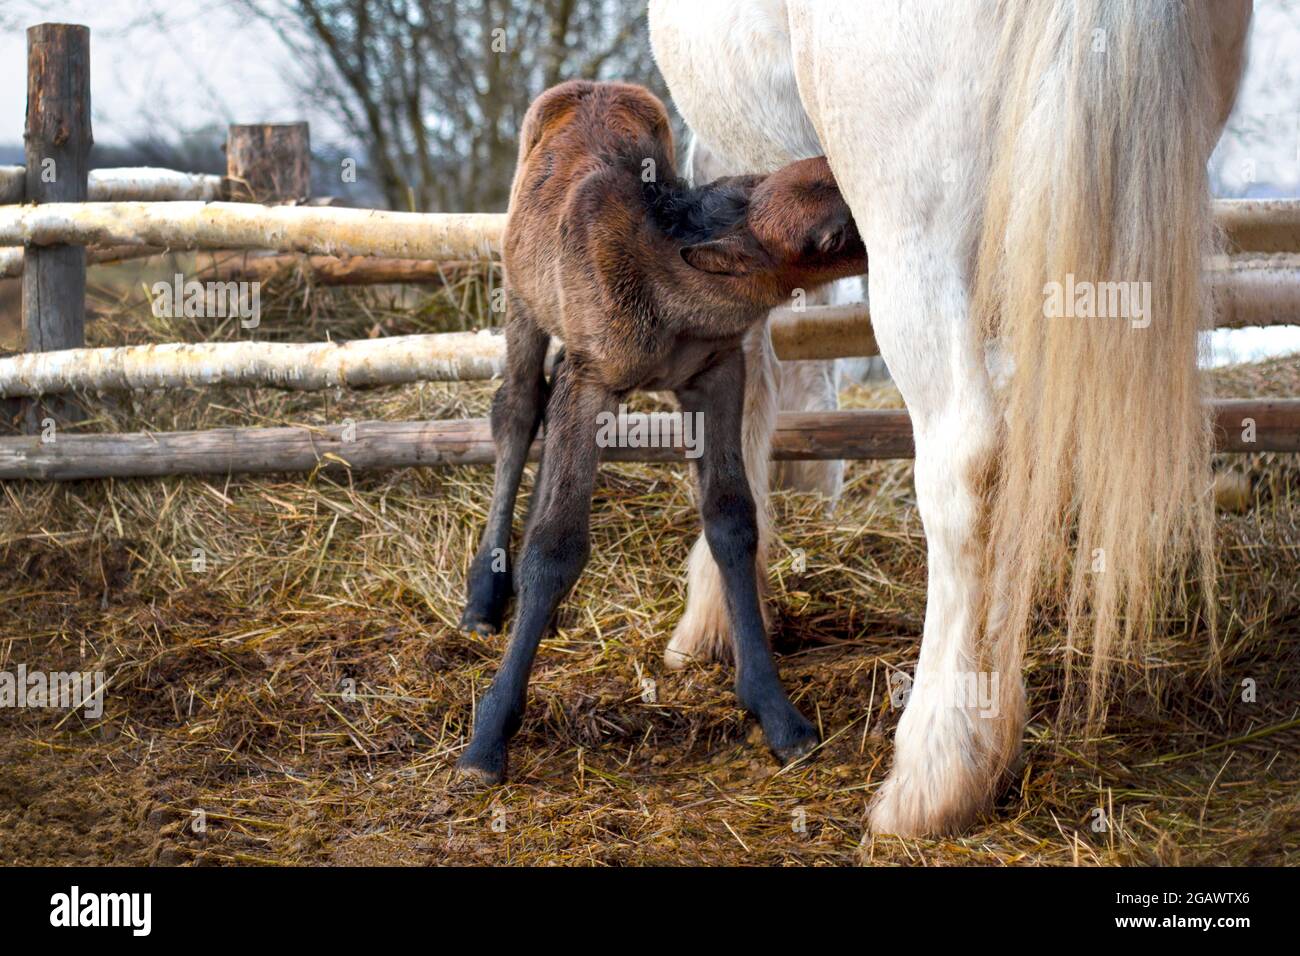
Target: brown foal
x=650, y=284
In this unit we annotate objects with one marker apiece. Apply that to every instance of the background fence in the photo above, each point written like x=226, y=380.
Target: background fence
x=57, y=216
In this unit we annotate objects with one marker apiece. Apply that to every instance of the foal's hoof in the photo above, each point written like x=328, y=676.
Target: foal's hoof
x=475, y=621
x=489, y=596
x=482, y=768
x=793, y=740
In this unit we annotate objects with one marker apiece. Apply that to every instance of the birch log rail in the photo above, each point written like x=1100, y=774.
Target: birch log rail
x=440, y=357
x=150, y=184
x=1260, y=225
x=823, y=332
x=126, y=184
x=333, y=270
x=1250, y=225
x=219, y=225
x=249, y=265
x=1274, y=425
x=1267, y=293
x=1257, y=290
x=312, y=366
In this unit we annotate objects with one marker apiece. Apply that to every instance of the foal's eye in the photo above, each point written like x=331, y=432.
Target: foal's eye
x=829, y=242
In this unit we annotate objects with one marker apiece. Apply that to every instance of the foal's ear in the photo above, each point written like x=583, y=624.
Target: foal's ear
x=736, y=255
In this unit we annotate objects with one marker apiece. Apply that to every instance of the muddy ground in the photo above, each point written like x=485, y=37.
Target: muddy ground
x=301, y=695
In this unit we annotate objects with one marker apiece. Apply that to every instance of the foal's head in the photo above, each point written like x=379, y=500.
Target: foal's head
x=796, y=230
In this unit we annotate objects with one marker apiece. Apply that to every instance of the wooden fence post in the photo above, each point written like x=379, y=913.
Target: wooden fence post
x=58, y=139
x=269, y=162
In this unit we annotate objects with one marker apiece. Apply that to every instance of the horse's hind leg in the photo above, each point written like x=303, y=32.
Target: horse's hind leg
x=516, y=413
x=555, y=550
x=964, y=716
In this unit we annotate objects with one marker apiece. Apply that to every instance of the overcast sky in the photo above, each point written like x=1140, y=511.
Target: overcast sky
x=1265, y=128
x=160, y=67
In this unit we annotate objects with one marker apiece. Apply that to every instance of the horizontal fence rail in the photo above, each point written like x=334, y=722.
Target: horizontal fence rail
x=1272, y=425
x=820, y=332
x=126, y=184
x=319, y=230
x=253, y=265
x=13, y=258
x=312, y=366
x=1255, y=225
x=335, y=270
x=1262, y=295
x=1261, y=225
x=823, y=332
x=1256, y=291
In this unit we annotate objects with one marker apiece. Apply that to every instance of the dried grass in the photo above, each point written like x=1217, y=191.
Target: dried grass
x=229, y=685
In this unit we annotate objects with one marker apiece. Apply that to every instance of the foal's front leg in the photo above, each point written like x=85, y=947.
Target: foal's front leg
x=704, y=633
x=555, y=550
x=731, y=529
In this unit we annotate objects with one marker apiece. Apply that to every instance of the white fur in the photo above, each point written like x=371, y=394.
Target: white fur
x=744, y=50
x=917, y=226
x=889, y=91
x=721, y=60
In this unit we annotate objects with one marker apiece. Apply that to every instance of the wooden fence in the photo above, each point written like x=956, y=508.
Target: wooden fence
x=54, y=228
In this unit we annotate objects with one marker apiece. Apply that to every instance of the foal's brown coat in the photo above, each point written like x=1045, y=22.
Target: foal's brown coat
x=651, y=285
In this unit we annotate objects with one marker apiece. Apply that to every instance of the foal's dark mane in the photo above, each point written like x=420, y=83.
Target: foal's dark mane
x=692, y=214
x=684, y=213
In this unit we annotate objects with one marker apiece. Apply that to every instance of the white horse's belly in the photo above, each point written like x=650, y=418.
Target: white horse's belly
x=892, y=89
x=731, y=73
x=732, y=77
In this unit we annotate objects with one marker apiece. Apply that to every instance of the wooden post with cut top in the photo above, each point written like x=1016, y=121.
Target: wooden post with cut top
x=269, y=162
x=58, y=138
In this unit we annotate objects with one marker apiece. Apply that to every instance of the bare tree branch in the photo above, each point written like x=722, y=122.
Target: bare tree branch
x=435, y=90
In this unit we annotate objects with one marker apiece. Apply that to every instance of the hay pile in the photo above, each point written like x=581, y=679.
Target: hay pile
x=282, y=657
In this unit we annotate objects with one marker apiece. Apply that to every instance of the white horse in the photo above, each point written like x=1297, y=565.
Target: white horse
x=992, y=151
